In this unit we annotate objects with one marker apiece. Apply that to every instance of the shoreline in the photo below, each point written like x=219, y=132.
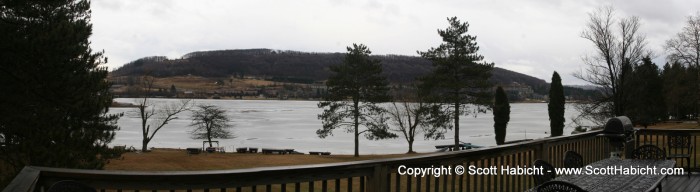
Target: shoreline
x=277, y=99
x=116, y=104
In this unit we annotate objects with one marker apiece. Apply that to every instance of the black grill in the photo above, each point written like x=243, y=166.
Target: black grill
x=618, y=129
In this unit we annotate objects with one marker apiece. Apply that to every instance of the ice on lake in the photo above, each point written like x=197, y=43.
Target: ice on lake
x=293, y=124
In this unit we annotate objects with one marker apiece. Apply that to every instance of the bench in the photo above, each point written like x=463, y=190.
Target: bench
x=191, y=151
x=319, y=153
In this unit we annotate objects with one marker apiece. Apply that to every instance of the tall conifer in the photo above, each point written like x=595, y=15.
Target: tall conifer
x=53, y=93
x=460, y=78
x=501, y=115
x=556, y=106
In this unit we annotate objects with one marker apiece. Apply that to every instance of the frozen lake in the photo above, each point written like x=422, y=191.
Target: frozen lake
x=293, y=124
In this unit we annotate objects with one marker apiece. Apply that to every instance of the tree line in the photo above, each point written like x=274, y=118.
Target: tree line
x=631, y=83
x=300, y=67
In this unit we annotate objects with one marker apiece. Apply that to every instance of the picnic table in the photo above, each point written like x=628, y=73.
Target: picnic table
x=194, y=151
x=278, y=151
x=319, y=153
x=620, y=182
x=462, y=146
x=246, y=150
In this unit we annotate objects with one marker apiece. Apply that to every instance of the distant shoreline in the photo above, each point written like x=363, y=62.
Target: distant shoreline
x=118, y=104
x=122, y=105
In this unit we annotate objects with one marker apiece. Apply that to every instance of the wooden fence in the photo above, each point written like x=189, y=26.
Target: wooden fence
x=369, y=175
x=658, y=137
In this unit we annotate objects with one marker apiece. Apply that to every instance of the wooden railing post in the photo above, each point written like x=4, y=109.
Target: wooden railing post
x=26, y=180
x=542, y=151
x=377, y=182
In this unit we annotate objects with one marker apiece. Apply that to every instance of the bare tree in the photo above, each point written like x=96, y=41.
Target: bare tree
x=411, y=118
x=153, y=116
x=210, y=122
x=684, y=48
x=618, y=45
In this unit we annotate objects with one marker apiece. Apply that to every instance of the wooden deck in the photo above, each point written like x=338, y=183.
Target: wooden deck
x=682, y=183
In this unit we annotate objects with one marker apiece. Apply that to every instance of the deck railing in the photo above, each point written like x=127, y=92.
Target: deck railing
x=369, y=175
x=659, y=138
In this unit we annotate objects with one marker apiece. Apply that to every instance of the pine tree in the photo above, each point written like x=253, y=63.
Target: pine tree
x=354, y=90
x=679, y=83
x=645, y=88
x=501, y=115
x=556, y=106
x=460, y=78
x=173, y=91
x=54, y=95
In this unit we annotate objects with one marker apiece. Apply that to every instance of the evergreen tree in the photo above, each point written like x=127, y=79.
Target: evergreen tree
x=354, y=90
x=684, y=48
x=556, y=106
x=679, y=83
x=54, y=97
x=501, y=115
x=173, y=91
x=645, y=88
x=460, y=78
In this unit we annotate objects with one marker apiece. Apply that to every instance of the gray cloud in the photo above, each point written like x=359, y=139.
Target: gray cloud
x=535, y=37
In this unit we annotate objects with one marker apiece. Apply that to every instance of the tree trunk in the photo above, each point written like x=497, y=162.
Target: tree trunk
x=456, y=148
x=356, y=112
x=410, y=147
x=144, y=127
x=144, y=146
x=209, y=137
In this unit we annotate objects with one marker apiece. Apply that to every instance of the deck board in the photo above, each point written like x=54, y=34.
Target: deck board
x=682, y=183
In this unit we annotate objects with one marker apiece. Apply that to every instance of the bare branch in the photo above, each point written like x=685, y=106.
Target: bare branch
x=618, y=44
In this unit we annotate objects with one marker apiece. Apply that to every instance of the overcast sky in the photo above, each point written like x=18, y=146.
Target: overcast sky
x=531, y=37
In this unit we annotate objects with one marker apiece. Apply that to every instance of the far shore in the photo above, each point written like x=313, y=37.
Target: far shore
x=122, y=105
x=290, y=99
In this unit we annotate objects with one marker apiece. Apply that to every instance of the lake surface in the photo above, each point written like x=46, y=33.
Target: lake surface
x=293, y=125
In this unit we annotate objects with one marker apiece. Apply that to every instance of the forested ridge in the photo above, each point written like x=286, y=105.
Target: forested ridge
x=303, y=67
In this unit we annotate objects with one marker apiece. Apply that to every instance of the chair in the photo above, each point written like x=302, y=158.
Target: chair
x=680, y=141
x=548, y=172
x=573, y=160
x=70, y=186
x=559, y=186
x=649, y=152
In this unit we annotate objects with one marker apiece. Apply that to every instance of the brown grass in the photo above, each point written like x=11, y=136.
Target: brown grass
x=179, y=160
x=676, y=125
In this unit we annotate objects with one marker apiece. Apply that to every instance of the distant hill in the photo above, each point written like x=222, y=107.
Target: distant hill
x=301, y=67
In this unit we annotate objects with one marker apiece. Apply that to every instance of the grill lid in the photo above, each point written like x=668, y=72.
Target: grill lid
x=618, y=125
